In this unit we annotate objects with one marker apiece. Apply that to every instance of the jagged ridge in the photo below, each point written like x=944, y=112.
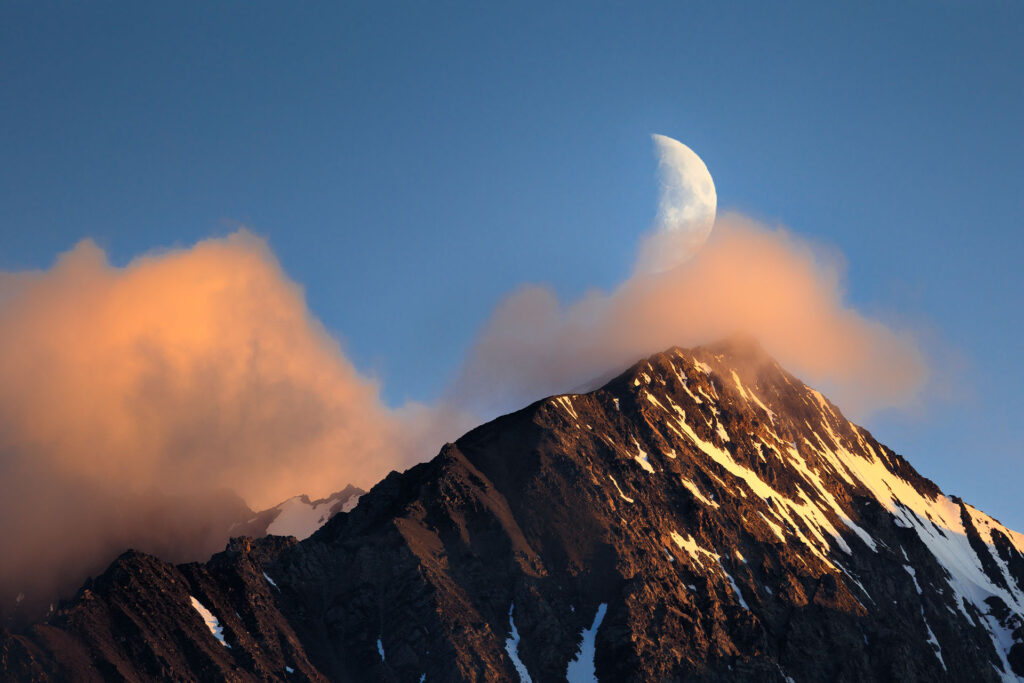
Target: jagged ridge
x=712, y=516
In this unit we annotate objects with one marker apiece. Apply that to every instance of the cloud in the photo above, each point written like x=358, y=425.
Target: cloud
x=748, y=279
x=132, y=399
x=193, y=368
x=138, y=403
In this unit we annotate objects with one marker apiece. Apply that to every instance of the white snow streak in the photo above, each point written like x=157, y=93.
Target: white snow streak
x=211, y=621
x=581, y=669
x=621, y=494
x=512, y=648
x=641, y=458
x=735, y=586
x=692, y=488
x=299, y=517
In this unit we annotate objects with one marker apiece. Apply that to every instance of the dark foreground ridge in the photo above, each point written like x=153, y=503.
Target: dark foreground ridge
x=704, y=516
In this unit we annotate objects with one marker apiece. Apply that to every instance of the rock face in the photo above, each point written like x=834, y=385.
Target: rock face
x=703, y=516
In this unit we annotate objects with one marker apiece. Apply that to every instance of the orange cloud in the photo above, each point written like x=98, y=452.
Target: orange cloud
x=136, y=402
x=192, y=369
x=747, y=279
x=132, y=398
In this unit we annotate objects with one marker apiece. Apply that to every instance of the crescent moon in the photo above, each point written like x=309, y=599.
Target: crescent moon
x=686, y=208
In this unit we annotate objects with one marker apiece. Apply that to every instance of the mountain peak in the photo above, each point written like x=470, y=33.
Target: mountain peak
x=699, y=517
x=739, y=347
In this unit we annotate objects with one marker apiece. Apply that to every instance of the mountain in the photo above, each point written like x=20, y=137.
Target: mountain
x=180, y=528
x=175, y=528
x=298, y=516
x=704, y=516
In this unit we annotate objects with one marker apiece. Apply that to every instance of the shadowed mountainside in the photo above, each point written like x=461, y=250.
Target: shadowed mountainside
x=703, y=516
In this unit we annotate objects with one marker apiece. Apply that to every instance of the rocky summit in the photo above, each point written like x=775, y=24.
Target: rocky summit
x=704, y=516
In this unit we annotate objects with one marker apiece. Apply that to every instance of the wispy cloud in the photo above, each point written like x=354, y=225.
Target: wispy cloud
x=132, y=398
x=749, y=278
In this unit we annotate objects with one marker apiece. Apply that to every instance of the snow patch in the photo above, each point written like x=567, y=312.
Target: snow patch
x=693, y=549
x=933, y=641
x=703, y=367
x=808, y=511
x=211, y=621
x=686, y=384
x=913, y=576
x=566, y=403
x=581, y=669
x=722, y=434
x=735, y=586
x=692, y=488
x=621, y=494
x=299, y=517
x=641, y=458
x=512, y=648
x=750, y=396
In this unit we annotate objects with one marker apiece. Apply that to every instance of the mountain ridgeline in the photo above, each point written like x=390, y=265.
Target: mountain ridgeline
x=704, y=516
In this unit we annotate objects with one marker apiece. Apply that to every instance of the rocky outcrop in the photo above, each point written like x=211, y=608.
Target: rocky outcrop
x=703, y=516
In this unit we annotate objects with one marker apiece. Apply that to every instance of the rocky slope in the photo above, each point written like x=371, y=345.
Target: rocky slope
x=177, y=529
x=180, y=528
x=703, y=516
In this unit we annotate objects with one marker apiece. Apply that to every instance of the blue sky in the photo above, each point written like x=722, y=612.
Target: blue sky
x=411, y=164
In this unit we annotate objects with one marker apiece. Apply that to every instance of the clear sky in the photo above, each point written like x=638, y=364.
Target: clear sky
x=412, y=163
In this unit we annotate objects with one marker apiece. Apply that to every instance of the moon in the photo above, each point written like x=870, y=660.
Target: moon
x=686, y=208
